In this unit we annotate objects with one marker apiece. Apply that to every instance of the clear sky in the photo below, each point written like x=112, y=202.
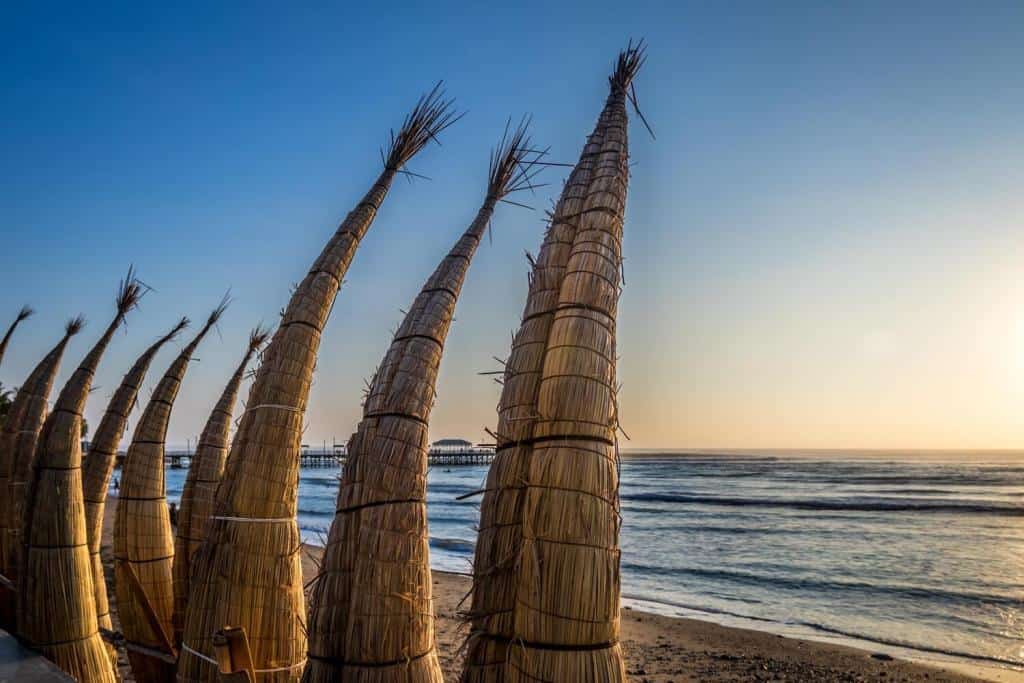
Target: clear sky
x=824, y=245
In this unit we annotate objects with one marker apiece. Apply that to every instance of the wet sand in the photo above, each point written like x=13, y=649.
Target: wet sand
x=662, y=649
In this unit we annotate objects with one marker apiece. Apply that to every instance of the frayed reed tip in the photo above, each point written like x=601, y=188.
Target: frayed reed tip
x=75, y=325
x=258, y=336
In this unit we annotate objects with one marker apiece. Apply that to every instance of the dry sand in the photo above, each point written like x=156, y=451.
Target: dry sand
x=663, y=649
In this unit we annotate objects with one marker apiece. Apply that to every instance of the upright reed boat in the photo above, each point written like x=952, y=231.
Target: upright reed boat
x=18, y=438
x=206, y=467
x=248, y=572
x=56, y=599
x=545, y=602
x=371, y=611
x=98, y=466
x=143, y=539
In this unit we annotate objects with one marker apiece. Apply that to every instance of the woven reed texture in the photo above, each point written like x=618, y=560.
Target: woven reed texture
x=17, y=448
x=23, y=314
x=56, y=599
x=499, y=536
x=546, y=579
x=371, y=610
x=99, y=465
x=143, y=539
x=248, y=571
x=204, y=474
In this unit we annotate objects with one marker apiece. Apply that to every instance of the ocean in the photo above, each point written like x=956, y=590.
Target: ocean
x=920, y=556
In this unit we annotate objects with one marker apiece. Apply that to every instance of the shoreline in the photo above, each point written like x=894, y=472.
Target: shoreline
x=676, y=649
x=934, y=455
x=975, y=667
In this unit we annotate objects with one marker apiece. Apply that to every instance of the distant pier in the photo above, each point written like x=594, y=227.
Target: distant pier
x=443, y=453
x=473, y=455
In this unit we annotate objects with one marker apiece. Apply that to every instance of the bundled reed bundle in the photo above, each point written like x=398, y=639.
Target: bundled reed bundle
x=17, y=448
x=204, y=473
x=546, y=578
x=143, y=539
x=500, y=532
x=99, y=465
x=248, y=572
x=23, y=314
x=371, y=612
x=56, y=599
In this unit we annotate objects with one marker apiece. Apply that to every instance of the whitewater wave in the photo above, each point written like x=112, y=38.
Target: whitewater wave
x=849, y=505
x=457, y=545
x=803, y=584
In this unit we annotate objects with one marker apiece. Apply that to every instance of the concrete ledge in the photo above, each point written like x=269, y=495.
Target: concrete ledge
x=21, y=665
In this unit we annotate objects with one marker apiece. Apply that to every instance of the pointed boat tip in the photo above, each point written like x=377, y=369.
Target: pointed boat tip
x=433, y=113
x=74, y=326
x=174, y=331
x=217, y=312
x=628, y=64
x=514, y=161
x=130, y=292
x=259, y=336
x=25, y=313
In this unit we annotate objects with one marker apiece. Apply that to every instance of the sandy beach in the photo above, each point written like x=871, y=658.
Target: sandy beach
x=663, y=649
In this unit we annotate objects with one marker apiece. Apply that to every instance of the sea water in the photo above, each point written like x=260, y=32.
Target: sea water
x=924, y=553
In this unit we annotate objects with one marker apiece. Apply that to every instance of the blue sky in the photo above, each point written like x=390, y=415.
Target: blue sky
x=823, y=244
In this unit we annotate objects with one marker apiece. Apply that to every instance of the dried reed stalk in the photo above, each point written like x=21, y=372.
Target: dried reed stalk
x=143, y=539
x=56, y=599
x=23, y=314
x=17, y=448
x=546, y=577
x=248, y=571
x=204, y=473
x=371, y=610
x=99, y=465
